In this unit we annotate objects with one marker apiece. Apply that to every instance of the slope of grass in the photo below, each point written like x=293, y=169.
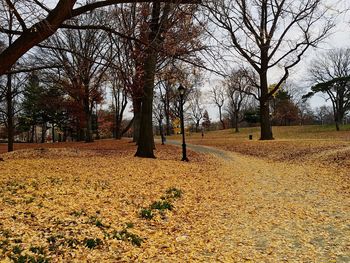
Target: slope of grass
x=299, y=144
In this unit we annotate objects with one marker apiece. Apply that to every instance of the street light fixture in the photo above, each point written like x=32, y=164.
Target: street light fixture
x=181, y=89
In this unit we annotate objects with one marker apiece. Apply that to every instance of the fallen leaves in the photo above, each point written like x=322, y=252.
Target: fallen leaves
x=84, y=205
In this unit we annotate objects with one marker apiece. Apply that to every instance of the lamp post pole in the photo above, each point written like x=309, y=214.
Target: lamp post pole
x=181, y=90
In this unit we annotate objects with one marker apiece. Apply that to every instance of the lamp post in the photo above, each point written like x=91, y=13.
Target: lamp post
x=182, y=91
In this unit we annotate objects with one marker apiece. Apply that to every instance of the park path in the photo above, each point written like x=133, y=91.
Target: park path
x=204, y=149
x=274, y=212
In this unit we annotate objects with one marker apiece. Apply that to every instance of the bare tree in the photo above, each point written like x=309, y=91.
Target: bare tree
x=331, y=73
x=324, y=114
x=270, y=34
x=238, y=87
x=218, y=97
x=196, y=109
x=10, y=89
x=120, y=101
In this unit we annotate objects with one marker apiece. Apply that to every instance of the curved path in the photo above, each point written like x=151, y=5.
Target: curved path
x=275, y=212
x=204, y=149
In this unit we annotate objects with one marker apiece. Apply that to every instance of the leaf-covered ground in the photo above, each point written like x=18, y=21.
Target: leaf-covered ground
x=90, y=203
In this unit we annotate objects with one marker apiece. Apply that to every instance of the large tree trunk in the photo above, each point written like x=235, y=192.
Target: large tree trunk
x=9, y=101
x=265, y=122
x=88, y=127
x=118, y=128
x=336, y=120
x=146, y=140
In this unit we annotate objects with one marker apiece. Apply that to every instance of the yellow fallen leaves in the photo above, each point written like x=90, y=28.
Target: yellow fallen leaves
x=85, y=207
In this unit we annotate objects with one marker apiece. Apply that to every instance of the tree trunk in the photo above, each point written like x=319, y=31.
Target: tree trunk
x=10, y=128
x=137, y=119
x=265, y=122
x=32, y=134
x=146, y=140
x=118, y=128
x=53, y=133
x=168, y=124
x=43, y=132
x=125, y=130
x=337, y=126
x=88, y=115
x=236, y=122
x=88, y=131
x=220, y=117
x=36, y=34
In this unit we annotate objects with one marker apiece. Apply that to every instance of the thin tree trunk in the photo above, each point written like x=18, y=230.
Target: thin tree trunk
x=32, y=134
x=43, y=132
x=236, y=122
x=53, y=133
x=137, y=119
x=127, y=127
x=221, y=120
x=9, y=101
x=168, y=124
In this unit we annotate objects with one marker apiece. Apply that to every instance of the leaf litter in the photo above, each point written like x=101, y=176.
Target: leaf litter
x=82, y=205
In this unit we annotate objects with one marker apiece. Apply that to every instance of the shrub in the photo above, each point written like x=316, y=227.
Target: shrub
x=146, y=213
x=162, y=205
x=92, y=242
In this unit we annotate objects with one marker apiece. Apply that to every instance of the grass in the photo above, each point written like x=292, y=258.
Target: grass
x=298, y=144
x=323, y=132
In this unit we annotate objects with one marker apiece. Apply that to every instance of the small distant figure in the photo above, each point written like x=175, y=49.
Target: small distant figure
x=202, y=134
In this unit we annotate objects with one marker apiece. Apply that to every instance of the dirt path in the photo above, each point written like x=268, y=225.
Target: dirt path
x=275, y=212
x=204, y=149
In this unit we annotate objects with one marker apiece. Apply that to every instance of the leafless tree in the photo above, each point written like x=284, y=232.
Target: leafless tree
x=9, y=88
x=324, y=114
x=217, y=95
x=330, y=74
x=270, y=34
x=196, y=109
x=238, y=88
